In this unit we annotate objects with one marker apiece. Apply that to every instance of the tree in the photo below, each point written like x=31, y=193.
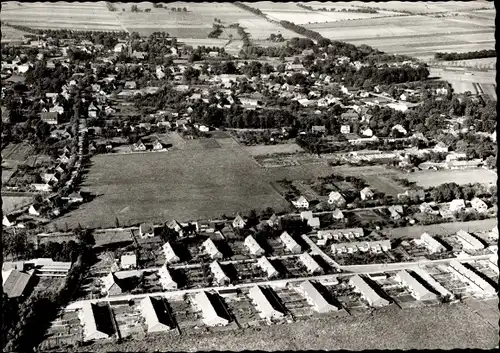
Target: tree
x=117, y=222
x=185, y=10
x=134, y=8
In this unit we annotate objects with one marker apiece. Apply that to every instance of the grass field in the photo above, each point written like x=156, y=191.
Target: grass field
x=281, y=148
x=416, y=328
x=179, y=184
x=433, y=178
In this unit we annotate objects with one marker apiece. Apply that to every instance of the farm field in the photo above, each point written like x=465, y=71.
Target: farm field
x=179, y=184
x=433, y=178
x=197, y=21
x=458, y=327
x=78, y=16
x=427, y=7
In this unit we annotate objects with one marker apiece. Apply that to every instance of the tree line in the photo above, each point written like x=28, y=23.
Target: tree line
x=466, y=56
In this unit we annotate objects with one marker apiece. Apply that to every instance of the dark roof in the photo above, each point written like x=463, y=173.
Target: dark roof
x=16, y=284
x=48, y=115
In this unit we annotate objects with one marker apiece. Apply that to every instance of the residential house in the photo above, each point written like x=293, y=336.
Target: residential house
x=440, y=147
x=157, y=146
x=170, y=255
x=16, y=283
x=220, y=276
x=34, y=210
x=479, y=205
x=130, y=85
x=336, y=198
x=301, y=202
x=468, y=241
x=211, y=249
x=396, y=211
x=267, y=267
x=337, y=214
x=416, y=288
x=428, y=208
x=471, y=277
x=413, y=194
x=75, y=197
x=273, y=221
x=345, y=129
x=157, y=318
x=457, y=205
x=128, y=261
x=211, y=317
x=316, y=299
x=51, y=118
x=253, y=247
x=367, y=132
x=366, y=194
x=111, y=285
x=371, y=296
x=239, y=222
x=268, y=309
x=92, y=110
x=312, y=266
x=318, y=129
x=306, y=215
x=314, y=222
x=400, y=129
x=138, y=147
x=290, y=243
x=146, y=230
x=431, y=243
x=166, y=280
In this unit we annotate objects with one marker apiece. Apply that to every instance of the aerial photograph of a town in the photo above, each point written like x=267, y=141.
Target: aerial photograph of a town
x=230, y=176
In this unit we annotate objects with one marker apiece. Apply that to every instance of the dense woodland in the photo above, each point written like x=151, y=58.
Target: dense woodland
x=466, y=56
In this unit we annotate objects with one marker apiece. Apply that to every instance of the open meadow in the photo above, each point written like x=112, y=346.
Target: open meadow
x=182, y=184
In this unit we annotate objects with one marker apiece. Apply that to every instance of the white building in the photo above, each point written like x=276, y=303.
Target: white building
x=290, y=243
x=166, y=280
x=472, y=278
x=264, y=306
x=336, y=198
x=367, y=292
x=366, y=194
x=211, y=249
x=128, y=261
x=312, y=266
x=416, y=288
x=220, y=276
x=479, y=205
x=431, y=244
x=316, y=299
x=254, y=247
x=91, y=329
x=267, y=267
x=155, y=314
x=457, y=205
x=469, y=242
x=210, y=315
x=301, y=202
x=239, y=222
x=170, y=256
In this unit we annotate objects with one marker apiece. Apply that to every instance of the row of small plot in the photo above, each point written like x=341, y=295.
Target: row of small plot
x=252, y=270
x=250, y=305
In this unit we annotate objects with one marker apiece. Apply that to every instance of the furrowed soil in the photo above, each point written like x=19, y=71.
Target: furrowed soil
x=440, y=327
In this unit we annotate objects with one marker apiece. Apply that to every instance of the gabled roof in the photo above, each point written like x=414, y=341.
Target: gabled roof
x=316, y=298
x=155, y=313
x=15, y=282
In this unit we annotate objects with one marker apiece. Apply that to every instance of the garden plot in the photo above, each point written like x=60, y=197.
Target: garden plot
x=447, y=279
x=345, y=294
x=188, y=321
x=294, y=267
x=249, y=272
x=396, y=290
x=244, y=311
x=263, y=150
x=129, y=319
x=193, y=277
x=483, y=269
x=66, y=330
x=294, y=303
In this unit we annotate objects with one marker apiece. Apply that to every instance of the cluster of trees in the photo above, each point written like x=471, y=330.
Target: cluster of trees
x=451, y=191
x=301, y=30
x=216, y=32
x=245, y=37
x=249, y=8
x=276, y=38
x=486, y=53
x=110, y=6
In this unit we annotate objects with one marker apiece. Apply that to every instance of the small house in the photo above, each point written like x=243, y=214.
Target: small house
x=301, y=202
x=366, y=194
x=146, y=230
x=457, y=205
x=51, y=118
x=290, y=243
x=337, y=214
x=239, y=222
x=336, y=198
x=253, y=247
x=318, y=129
x=128, y=261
